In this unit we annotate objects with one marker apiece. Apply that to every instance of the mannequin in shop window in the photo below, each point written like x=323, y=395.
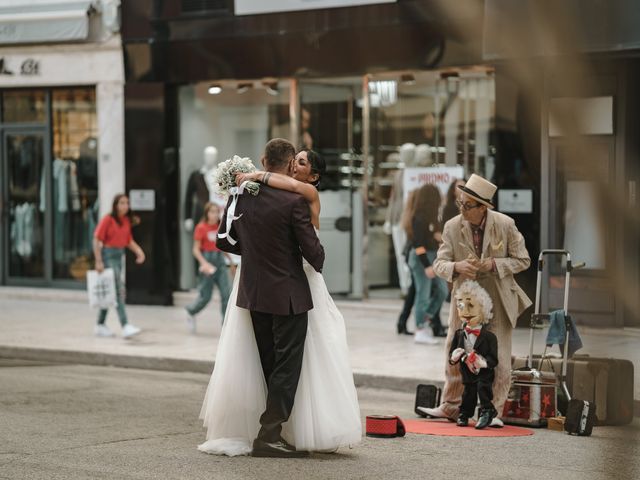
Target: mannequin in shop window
x=200, y=189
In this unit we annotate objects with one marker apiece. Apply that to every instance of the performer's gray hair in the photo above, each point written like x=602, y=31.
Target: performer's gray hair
x=471, y=287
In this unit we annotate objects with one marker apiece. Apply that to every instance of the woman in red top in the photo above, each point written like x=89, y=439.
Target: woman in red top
x=111, y=237
x=213, y=268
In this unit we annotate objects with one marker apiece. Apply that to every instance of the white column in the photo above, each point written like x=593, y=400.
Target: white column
x=110, y=112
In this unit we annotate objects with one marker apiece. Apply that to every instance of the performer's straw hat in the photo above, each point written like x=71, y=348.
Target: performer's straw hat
x=479, y=189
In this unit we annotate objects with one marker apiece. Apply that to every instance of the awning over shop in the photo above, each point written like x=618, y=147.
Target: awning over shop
x=41, y=21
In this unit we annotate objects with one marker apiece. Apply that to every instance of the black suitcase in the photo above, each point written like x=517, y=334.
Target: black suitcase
x=427, y=396
x=580, y=418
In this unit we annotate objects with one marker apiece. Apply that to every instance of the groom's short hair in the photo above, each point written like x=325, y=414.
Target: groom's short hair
x=278, y=153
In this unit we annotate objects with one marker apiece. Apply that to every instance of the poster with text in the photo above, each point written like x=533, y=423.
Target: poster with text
x=441, y=177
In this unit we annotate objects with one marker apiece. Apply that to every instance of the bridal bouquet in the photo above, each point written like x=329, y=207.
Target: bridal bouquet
x=224, y=176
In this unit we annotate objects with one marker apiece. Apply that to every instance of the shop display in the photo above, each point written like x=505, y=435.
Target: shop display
x=58, y=187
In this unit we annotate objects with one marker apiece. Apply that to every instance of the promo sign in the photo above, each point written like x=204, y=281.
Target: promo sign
x=251, y=7
x=441, y=177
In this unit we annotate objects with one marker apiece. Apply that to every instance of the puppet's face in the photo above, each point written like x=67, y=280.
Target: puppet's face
x=469, y=309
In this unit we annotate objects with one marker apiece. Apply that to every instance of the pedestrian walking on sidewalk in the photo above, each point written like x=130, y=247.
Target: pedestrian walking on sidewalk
x=111, y=237
x=213, y=269
x=423, y=233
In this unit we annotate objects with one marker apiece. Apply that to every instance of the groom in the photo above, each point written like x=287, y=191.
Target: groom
x=273, y=232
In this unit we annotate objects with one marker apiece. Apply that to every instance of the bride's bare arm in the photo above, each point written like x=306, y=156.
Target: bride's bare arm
x=285, y=182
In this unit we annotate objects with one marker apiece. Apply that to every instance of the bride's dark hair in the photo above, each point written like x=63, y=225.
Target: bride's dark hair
x=318, y=165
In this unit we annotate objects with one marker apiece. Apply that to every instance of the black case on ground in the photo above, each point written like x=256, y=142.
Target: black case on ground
x=581, y=415
x=427, y=396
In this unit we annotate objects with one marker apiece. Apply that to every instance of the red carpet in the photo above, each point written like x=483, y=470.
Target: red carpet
x=447, y=428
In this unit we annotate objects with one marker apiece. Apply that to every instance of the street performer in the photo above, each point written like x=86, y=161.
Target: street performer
x=483, y=245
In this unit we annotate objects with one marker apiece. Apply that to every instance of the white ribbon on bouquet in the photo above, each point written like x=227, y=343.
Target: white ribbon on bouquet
x=231, y=212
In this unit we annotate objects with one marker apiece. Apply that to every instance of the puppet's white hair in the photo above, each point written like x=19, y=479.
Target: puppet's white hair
x=471, y=287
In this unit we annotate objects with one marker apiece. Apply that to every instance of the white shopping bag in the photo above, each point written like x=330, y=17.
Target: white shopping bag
x=101, y=288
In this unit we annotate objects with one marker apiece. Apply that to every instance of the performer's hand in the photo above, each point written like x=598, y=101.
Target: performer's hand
x=99, y=266
x=140, y=257
x=466, y=269
x=429, y=272
x=485, y=265
x=457, y=354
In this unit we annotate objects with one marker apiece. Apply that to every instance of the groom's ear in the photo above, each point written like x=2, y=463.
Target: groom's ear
x=263, y=162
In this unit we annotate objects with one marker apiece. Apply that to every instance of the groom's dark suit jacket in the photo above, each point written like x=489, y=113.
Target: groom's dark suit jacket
x=273, y=234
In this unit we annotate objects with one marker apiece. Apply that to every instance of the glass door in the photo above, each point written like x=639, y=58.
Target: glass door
x=330, y=124
x=24, y=205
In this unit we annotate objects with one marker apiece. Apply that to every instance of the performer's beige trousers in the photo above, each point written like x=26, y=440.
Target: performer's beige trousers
x=502, y=329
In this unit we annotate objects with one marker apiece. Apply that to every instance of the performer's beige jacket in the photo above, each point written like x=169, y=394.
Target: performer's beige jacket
x=502, y=242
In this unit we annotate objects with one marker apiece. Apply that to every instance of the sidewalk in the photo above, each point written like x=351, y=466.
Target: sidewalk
x=57, y=325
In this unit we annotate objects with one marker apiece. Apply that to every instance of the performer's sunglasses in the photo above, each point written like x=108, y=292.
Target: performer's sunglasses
x=466, y=207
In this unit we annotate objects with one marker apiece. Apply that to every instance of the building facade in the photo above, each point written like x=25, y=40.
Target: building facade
x=355, y=83
x=62, y=129
x=382, y=90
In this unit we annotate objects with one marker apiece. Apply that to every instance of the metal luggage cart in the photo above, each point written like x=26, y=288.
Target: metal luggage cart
x=533, y=395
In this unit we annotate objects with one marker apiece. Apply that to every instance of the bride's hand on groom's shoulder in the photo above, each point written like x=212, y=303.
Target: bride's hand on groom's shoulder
x=244, y=177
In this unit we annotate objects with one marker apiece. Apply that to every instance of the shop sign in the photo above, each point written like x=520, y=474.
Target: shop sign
x=28, y=67
x=515, y=201
x=142, y=200
x=441, y=177
x=251, y=7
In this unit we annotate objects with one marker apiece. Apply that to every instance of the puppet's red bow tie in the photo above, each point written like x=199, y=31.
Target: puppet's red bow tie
x=473, y=331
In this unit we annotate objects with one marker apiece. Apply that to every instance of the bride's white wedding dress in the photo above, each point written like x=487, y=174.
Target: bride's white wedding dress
x=325, y=414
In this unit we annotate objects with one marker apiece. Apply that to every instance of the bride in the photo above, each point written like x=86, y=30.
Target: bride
x=326, y=414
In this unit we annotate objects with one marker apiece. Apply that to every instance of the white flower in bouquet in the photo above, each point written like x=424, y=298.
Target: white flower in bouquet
x=224, y=176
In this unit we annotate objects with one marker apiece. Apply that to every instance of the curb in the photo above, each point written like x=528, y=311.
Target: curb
x=181, y=299
x=169, y=364
x=106, y=359
x=367, y=380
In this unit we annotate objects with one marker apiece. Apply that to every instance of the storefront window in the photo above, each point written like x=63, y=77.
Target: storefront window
x=24, y=106
x=219, y=120
x=439, y=121
x=74, y=200
x=52, y=186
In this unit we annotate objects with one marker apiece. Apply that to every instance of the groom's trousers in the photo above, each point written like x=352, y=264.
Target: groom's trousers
x=280, y=342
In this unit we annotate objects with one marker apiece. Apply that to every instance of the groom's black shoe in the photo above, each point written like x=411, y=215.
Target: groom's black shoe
x=278, y=449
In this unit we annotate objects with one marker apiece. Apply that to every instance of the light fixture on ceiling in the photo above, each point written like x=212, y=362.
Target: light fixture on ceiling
x=244, y=87
x=383, y=93
x=214, y=89
x=271, y=87
x=407, y=79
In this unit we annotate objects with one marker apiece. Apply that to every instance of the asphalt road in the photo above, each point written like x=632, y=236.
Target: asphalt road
x=80, y=422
